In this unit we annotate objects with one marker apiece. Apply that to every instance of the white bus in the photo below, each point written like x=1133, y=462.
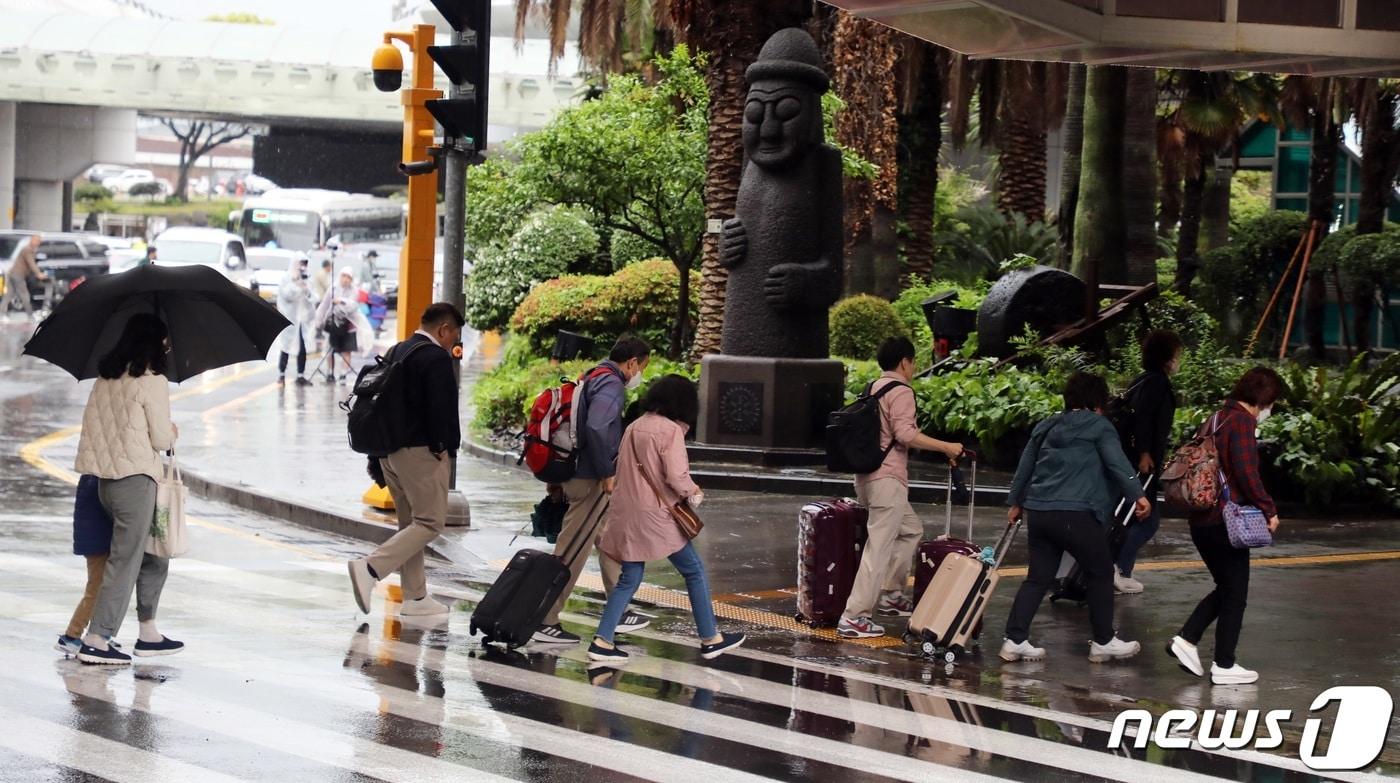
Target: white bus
x=305, y=220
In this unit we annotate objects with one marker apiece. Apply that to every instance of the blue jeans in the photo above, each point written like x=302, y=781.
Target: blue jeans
x=1136, y=537
x=687, y=562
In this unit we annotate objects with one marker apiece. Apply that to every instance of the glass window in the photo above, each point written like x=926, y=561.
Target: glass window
x=1297, y=204
x=174, y=251
x=8, y=245
x=1378, y=15
x=1194, y=10
x=55, y=250
x=1293, y=165
x=288, y=229
x=95, y=249
x=1306, y=13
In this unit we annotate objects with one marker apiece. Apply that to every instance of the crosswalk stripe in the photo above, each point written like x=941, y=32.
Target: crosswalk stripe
x=95, y=755
x=840, y=708
x=260, y=728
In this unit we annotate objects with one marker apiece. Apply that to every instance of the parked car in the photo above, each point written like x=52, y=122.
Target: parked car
x=204, y=246
x=267, y=266
x=104, y=171
x=123, y=182
x=68, y=259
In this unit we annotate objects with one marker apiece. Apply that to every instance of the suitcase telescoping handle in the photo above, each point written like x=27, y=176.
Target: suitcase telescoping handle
x=1004, y=543
x=1123, y=501
x=955, y=479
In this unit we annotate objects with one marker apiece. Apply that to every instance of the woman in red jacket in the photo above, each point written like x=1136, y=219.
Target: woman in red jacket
x=1234, y=427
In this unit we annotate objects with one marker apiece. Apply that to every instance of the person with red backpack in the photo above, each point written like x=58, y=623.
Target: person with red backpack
x=597, y=408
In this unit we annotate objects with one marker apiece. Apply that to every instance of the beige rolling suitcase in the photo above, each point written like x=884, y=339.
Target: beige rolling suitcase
x=949, y=611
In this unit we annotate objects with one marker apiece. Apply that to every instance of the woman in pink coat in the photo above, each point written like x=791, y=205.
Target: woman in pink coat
x=653, y=474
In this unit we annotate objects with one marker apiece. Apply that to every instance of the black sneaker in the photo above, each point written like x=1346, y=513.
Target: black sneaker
x=166, y=646
x=597, y=652
x=555, y=634
x=727, y=642
x=108, y=657
x=632, y=621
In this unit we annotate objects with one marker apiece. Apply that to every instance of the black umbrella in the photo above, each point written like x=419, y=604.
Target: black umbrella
x=213, y=322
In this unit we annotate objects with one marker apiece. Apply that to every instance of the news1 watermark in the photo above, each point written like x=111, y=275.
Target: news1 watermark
x=1359, y=728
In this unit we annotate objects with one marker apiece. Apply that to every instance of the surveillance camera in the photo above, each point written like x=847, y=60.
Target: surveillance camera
x=387, y=64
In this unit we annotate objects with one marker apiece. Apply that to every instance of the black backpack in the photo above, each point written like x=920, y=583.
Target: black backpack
x=853, y=434
x=1120, y=411
x=377, y=405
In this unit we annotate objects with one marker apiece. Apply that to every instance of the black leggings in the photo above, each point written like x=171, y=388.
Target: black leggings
x=301, y=356
x=1225, y=604
x=1052, y=533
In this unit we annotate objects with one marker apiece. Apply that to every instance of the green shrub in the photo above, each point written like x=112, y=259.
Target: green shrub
x=90, y=192
x=547, y=245
x=1237, y=279
x=1372, y=259
x=911, y=313
x=860, y=323
x=641, y=299
x=627, y=248
x=983, y=238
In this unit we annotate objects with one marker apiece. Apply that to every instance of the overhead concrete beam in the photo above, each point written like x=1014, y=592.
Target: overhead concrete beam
x=61, y=142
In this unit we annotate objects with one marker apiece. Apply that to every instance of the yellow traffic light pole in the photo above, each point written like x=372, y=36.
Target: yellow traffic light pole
x=416, y=257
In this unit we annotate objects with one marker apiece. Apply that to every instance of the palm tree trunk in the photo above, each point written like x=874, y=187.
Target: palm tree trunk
x=1169, y=202
x=864, y=57
x=1072, y=138
x=921, y=137
x=1322, y=199
x=1139, y=180
x=1099, y=236
x=1020, y=140
x=1188, y=257
x=1215, y=207
x=1380, y=157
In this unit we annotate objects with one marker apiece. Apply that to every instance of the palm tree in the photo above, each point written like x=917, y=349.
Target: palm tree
x=1099, y=233
x=1377, y=104
x=1139, y=178
x=921, y=73
x=1072, y=138
x=1020, y=138
x=1315, y=104
x=1206, y=112
x=730, y=32
x=864, y=59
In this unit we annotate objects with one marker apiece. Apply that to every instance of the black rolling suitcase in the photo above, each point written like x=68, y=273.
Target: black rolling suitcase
x=515, y=606
x=1071, y=583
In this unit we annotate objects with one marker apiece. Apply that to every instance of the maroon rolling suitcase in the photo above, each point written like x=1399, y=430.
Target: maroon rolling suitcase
x=930, y=554
x=830, y=539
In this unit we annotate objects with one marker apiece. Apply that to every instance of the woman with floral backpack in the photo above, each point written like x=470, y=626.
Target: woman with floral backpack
x=1232, y=432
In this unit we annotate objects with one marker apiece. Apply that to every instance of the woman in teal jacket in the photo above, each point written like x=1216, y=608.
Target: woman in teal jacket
x=1070, y=476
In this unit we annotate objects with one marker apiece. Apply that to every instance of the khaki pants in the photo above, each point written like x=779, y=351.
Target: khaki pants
x=582, y=495
x=418, y=484
x=83, y=614
x=893, y=536
x=17, y=292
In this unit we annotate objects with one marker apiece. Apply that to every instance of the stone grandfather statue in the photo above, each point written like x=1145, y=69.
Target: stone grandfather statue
x=784, y=246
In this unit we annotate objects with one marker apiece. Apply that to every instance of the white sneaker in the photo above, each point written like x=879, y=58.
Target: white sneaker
x=1186, y=656
x=423, y=607
x=362, y=582
x=1125, y=584
x=1235, y=675
x=1022, y=651
x=1116, y=649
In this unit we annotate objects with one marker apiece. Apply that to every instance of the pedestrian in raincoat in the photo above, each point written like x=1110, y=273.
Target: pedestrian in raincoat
x=338, y=314
x=296, y=302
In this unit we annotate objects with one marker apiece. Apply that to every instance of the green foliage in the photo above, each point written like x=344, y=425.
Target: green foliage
x=497, y=203
x=91, y=192
x=641, y=298
x=503, y=396
x=911, y=313
x=148, y=189
x=983, y=238
x=1338, y=436
x=1237, y=279
x=977, y=402
x=860, y=323
x=1251, y=196
x=853, y=165
x=1372, y=259
x=546, y=246
x=627, y=249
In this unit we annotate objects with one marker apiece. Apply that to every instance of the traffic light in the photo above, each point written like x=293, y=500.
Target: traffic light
x=466, y=63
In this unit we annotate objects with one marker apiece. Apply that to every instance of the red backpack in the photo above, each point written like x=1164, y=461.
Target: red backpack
x=552, y=433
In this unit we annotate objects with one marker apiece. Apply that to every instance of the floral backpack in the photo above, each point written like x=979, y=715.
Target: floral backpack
x=1191, y=478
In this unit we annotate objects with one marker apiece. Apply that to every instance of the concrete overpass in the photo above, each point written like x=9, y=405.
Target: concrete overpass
x=71, y=85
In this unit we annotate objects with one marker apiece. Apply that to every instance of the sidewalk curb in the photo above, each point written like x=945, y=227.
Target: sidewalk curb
x=287, y=510
x=816, y=486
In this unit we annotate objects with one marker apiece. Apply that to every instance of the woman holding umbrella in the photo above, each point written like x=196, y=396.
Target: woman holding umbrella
x=125, y=427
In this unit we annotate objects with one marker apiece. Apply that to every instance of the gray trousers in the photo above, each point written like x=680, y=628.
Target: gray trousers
x=132, y=503
x=17, y=292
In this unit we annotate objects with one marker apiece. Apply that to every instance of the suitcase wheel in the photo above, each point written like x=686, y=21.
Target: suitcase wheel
x=929, y=648
x=950, y=655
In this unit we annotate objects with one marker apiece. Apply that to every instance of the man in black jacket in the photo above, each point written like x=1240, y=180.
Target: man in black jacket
x=418, y=472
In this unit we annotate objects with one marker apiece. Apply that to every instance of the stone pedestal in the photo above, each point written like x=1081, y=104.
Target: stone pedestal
x=765, y=403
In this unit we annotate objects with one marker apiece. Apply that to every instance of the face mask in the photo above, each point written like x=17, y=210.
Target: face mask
x=1264, y=414
x=634, y=381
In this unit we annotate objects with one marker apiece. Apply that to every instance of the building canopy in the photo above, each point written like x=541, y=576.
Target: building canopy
x=1314, y=37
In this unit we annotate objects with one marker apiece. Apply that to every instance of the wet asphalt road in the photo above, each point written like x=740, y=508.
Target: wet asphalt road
x=283, y=678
